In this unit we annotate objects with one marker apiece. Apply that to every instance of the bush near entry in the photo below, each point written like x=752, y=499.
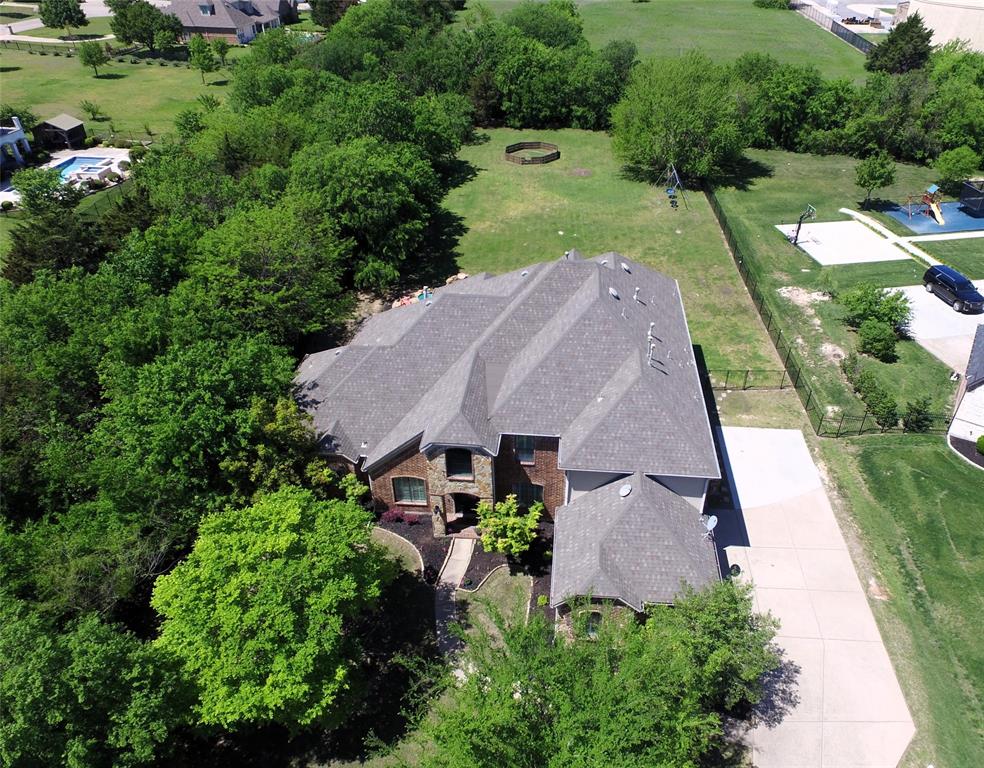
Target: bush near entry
x=980, y=444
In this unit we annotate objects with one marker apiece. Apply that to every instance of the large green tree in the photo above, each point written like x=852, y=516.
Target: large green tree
x=680, y=111
x=906, y=47
x=616, y=692
x=62, y=14
x=381, y=197
x=201, y=56
x=260, y=612
x=556, y=23
x=91, y=696
x=137, y=21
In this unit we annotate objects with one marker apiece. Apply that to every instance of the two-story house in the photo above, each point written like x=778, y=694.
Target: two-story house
x=570, y=382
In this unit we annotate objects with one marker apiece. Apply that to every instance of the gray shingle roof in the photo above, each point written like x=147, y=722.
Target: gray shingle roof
x=62, y=122
x=559, y=348
x=637, y=549
x=227, y=15
x=975, y=365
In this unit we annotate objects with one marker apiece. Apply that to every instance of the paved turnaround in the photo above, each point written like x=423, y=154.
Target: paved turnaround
x=838, y=703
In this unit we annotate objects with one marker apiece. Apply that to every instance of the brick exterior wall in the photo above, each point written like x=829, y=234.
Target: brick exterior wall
x=543, y=471
x=409, y=463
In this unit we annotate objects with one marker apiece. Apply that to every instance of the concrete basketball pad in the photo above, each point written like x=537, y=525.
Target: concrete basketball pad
x=840, y=704
x=945, y=334
x=843, y=242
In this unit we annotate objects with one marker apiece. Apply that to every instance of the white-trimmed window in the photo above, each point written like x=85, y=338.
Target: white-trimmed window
x=527, y=493
x=524, y=449
x=409, y=490
x=458, y=462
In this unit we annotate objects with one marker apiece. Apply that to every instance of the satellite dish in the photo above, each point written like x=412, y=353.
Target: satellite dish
x=625, y=490
x=711, y=523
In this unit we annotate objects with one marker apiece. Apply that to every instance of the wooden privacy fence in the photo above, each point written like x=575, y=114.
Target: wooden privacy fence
x=827, y=421
x=552, y=153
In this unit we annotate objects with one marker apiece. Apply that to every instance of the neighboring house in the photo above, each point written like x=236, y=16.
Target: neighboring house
x=13, y=144
x=238, y=21
x=968, y=420
x=570, y=382
x=949, y=19
x=60, y=132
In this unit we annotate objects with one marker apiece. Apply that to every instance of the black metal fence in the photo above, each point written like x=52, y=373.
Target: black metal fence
x=826, y=420
x=832, y=25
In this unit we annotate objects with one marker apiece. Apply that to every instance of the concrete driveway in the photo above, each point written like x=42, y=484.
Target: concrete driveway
x=945, y=334
x=837, y=702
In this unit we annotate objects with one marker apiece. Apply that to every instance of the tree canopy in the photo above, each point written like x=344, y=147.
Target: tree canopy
x=680, y=111
x=259, y=611
x=615, y=692
x=62, y=14
x=906, y=47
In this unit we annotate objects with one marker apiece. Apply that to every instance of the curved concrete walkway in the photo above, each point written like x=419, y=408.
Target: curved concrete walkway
x=445, y=608
x=837, y=702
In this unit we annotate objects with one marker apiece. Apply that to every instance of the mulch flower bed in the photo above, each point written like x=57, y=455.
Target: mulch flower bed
x=481, y=565
x=421, y=535
x=968, y=450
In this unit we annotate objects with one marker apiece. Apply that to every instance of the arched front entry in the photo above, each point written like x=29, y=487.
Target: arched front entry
x=461, y=514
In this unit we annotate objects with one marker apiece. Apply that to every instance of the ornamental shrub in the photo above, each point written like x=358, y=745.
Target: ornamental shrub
x=917, y=417
x=392, y=516
x=980, y=445
x=782, y=5
x=877, y=338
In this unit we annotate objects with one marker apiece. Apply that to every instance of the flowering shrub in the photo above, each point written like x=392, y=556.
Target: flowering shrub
x=392, y=516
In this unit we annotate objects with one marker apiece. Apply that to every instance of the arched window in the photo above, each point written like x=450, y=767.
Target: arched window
x=409, y=490
x=458, y=462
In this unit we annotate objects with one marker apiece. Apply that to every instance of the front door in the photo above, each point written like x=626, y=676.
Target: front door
x=463, y=514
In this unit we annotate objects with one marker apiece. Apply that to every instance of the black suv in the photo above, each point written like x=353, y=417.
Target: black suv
x=953, y=288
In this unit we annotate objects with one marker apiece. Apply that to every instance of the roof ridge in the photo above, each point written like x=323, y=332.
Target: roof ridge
x=590, y=285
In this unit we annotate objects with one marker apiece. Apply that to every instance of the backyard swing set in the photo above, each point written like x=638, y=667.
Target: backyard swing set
x=674, y=187
x=926, y=204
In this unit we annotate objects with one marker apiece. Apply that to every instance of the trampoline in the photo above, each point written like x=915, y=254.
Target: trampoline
x=958, y=218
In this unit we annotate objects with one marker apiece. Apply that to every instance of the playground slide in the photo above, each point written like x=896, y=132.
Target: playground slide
x=937, y=213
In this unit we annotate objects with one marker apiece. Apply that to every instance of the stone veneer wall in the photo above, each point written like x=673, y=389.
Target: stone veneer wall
x=543, y=471
x=440, y=488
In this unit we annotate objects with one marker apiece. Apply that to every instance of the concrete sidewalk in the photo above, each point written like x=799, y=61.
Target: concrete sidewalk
x=836, y=703
x=445, y=608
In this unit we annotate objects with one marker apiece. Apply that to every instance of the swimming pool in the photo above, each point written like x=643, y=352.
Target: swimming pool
x=91, y=165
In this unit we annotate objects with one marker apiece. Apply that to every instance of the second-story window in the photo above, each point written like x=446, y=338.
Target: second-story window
x=524, y=449
x=459, y=462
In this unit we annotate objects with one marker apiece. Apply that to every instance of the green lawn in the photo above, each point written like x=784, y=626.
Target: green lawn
x=516, y=215
x=919, y=508
x=777, y=187
x=97, y=27
x=724, y=29
x=966, y=255
x=131, y=95
x=305, y=24
x=508, y=593
x=402, y=550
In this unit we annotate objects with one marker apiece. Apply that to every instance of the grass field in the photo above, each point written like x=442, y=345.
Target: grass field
x=97, y=27
x=919, y=510
x=966, y=255
x=131, y=95
x=509, y=594
x=724, y=29
x=778, y=187
x=517, y=215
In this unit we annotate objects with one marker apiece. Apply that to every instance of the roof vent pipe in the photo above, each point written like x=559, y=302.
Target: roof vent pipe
x=614, y=294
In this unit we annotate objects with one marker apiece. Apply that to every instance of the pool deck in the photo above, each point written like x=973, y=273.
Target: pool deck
x=117, y=155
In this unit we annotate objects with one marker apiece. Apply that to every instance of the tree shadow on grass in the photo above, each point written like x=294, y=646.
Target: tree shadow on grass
x=9, y=69
x=741, y=175
x=438, y=258
x=78, y=38
x=219, y=83
x=110, y=76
